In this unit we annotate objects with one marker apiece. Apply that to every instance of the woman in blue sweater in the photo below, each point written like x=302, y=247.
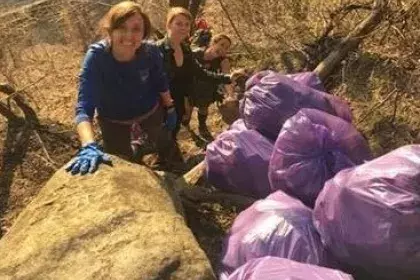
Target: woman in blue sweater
x=122, y=79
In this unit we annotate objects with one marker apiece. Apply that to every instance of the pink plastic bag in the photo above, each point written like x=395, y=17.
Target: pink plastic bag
x=369, y=216
x=273, y=268
x=272, y=98
x=310, y=149
x=278, y=226
x=237, y=162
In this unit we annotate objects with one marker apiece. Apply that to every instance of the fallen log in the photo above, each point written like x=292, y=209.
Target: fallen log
x=201, y=195
x=352, y=40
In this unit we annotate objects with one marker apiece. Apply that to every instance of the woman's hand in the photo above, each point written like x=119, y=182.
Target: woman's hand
x=236, y=74
x=170, y=118
x=88, y=159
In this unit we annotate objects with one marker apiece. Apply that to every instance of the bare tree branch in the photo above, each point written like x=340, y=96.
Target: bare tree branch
x=12, y=92
x=31, y=118
x=236, y=29
x=340, y=13
x=179, y=3
x=5, y=111
x=44, y=149
x=352, y=40
x=193, y=176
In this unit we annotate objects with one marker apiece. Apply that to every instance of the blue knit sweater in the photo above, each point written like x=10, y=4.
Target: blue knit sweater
x=119, y=90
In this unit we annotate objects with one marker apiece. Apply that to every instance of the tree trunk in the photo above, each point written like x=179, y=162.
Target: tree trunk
x=194, y=7
x=179, y=3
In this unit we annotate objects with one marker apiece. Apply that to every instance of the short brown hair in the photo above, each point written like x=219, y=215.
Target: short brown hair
x=176, y=11
x=216, y=38
x=118, y=14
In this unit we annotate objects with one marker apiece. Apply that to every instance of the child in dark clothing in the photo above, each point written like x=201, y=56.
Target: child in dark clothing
x=206, y=92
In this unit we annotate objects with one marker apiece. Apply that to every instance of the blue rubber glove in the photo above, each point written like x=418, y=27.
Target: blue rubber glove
x=171, y=118
x=87, y=160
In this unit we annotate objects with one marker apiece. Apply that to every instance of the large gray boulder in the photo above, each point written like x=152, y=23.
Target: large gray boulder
x=118, y=223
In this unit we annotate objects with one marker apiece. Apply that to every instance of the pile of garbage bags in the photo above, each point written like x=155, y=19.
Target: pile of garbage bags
x=241, y=160
x=272, y=98
x=325, y=204
x=274, y=268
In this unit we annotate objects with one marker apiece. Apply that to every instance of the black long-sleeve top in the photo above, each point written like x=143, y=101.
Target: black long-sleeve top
x=181, y=78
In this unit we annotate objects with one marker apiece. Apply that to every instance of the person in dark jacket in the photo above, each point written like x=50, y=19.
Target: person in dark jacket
x=123, y=81
x=180, y=65
x=205, y=92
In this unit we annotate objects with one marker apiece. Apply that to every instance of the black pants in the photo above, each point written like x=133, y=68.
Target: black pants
x=179, y=103
x=117, y=137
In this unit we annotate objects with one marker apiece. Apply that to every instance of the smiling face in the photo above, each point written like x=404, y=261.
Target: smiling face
x=179, y=27
x=219, y=48
x=127, y=37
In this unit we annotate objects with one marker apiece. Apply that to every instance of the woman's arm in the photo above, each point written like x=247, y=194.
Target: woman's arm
x=159, y=75
x=166, y=98
x=225, y=66
x=199, y=71
x=85, y=131
x=90, y=154
x=161, y=83
x=85, y=107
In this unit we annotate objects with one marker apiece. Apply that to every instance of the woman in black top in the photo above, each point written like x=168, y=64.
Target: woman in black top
x=180, y=64
x=205, y=92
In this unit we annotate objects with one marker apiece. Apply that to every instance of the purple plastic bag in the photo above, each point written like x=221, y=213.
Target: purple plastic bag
x=309, y=79
x=369, y=215
x=310, y=149
x=237, y=161
x=341, y=107
x=273, y=268
x=256, y=78
x=278, y=226
x=271, y=98
x=238, y=125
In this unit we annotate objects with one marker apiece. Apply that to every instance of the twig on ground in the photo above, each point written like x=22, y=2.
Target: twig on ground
x=44, y=149
x=50, y=164
x=191, y=178
x=376, y=106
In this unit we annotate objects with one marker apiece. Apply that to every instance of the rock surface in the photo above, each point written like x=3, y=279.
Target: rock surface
x=118, y=223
